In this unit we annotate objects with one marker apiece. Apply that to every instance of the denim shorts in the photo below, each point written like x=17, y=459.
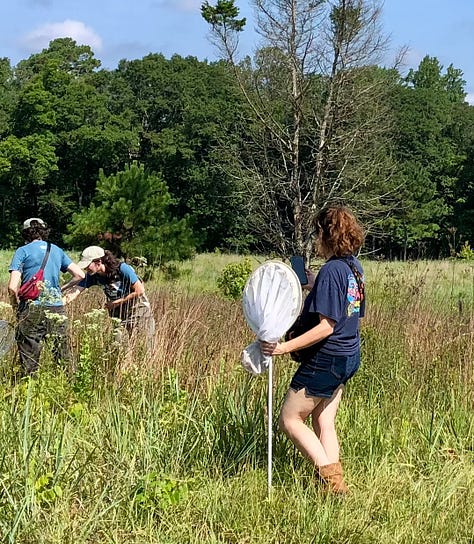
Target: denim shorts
x=323, y=374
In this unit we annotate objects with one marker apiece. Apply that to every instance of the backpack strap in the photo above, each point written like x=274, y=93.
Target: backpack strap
x=46, y=255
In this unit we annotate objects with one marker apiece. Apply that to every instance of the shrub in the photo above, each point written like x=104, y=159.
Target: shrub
x=466, y=252
x=232, y=279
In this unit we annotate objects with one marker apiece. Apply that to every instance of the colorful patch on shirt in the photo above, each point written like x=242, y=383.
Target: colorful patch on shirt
x=353, y=296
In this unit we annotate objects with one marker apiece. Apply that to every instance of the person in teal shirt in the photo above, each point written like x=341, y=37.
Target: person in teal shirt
x=35, y=319
x=124, y=291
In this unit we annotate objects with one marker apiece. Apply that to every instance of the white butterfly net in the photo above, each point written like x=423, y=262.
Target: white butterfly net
x=271, y=303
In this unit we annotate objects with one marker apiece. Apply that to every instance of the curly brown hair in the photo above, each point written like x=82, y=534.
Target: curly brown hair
x=339, y=232
x=35, y=232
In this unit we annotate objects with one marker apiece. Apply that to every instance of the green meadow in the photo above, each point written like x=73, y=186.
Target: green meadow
x=171, y=448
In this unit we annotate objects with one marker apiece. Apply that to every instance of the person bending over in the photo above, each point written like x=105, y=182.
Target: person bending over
x=123, y=289
x=327, y=344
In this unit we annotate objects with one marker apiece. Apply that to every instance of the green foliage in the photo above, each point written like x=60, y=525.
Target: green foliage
x=35, y=111
x=233, y=277
x=429, y=159
x=63, y=120
x=97, y=354
x=239, y=420
x=224, y=14
x=310, y=138
x=64, y=56
x=85, y=371
x=132, y=210
x=60, y=118
x=190, y=108
x=7, y=96
x=466, y=252
x=174, y=401
x=158, y=491
x=26, y=163
x=47, y=490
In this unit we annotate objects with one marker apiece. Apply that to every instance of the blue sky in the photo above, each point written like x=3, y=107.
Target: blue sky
x=117, y=29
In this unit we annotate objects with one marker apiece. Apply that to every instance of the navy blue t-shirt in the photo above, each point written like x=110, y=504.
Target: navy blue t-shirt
x=336, y=295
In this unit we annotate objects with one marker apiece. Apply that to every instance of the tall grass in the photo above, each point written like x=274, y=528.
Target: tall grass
x=172, y=448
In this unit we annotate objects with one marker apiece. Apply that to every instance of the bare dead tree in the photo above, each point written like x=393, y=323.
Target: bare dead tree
x=319, y=122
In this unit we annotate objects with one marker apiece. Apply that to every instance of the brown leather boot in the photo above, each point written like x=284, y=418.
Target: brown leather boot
x=331, y=475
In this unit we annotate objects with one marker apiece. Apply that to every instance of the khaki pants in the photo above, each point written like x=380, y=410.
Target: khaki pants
x=139, y=325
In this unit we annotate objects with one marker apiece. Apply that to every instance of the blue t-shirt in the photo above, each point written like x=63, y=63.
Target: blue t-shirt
x=27, y=260
x=336, y=295
x=116, y=287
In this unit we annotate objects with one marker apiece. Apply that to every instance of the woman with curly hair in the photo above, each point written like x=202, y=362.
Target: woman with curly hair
x=327, y=345
x=123, y=289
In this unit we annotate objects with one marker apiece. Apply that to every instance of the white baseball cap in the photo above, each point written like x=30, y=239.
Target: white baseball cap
x=91, y=253
x=27, y=224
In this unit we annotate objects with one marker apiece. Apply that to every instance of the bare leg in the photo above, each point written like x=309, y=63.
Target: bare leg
x=295, y=410
x=323, y=418
x=319, y=444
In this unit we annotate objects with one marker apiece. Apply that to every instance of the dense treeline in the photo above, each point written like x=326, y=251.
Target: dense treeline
x=105, y=153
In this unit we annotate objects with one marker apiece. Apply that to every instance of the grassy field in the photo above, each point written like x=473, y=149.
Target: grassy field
x=171, y=448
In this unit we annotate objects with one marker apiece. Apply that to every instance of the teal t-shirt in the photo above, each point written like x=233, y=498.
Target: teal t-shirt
x=116, y=287
x=27, y=260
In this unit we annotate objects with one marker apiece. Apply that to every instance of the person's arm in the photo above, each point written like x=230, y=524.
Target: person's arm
x=71, y=290
x=13, y=285
x=77, y=273
x=322, y=330
x=71, y=293
x=137, y=290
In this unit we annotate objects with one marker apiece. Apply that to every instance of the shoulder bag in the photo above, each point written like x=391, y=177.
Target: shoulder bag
x=31, y=289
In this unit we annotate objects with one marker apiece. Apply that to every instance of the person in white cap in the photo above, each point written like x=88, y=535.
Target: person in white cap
x=123, y=289
x=35, y=308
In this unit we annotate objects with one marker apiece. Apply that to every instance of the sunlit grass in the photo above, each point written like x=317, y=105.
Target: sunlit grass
x=172, y=448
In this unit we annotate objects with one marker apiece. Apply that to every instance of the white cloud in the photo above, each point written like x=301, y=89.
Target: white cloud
x=78, y=31
x=189, y=5
x=181, y=5
x=470, y=98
